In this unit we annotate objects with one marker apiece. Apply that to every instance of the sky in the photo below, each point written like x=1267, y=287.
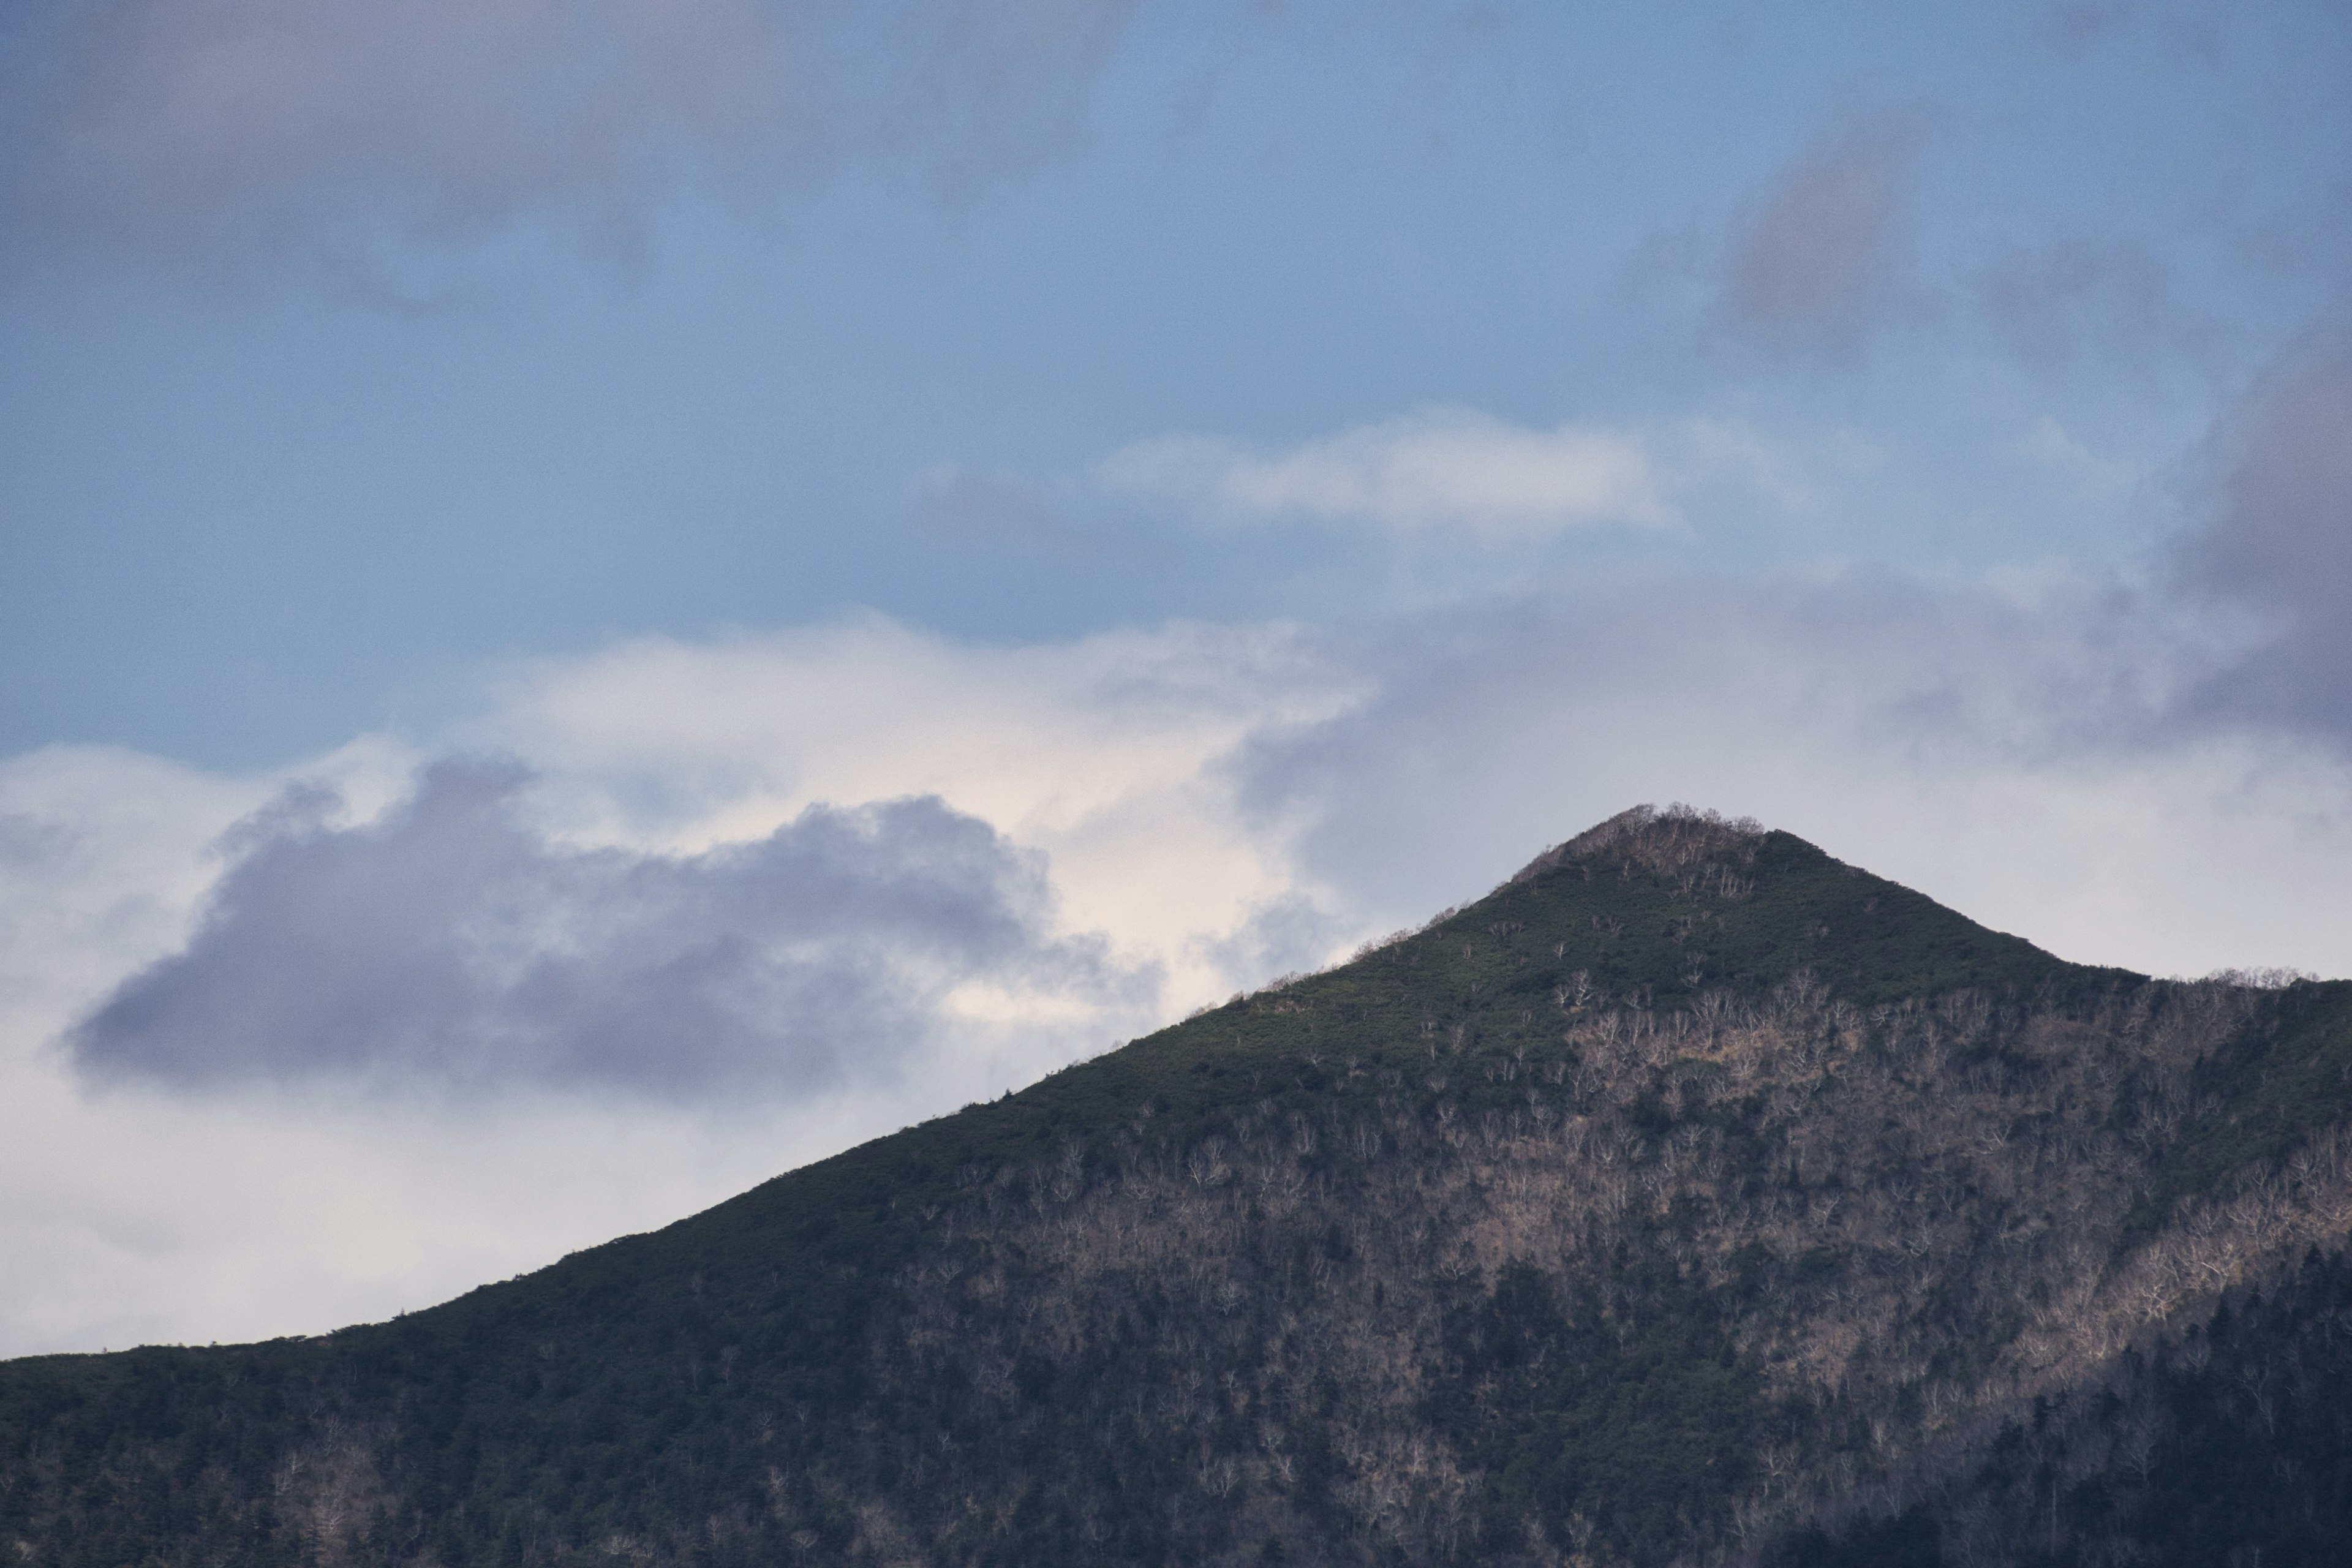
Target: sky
x=600, y=601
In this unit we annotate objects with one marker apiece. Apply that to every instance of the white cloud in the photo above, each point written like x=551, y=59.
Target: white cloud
x=2020, y=766
x=1437, y=470
x=1456, y=475
x=1101, y=752
x=129, y=1213
x=1226, y=802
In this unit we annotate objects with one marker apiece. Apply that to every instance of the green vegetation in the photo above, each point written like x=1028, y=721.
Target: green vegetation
x=1682, y=1196
x=2266, y=1089
x=1582, y=1428
x=2225, y=1443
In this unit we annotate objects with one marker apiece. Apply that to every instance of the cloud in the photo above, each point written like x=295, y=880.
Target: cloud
x=1438, y=470
x=1101, y=752
x=958, y=502
x=448, y=946
x=1819, y=265
x=1456, y=476
x=232, y=129
x=2021, y=765
x=2050, y=447
x=2278, y=547
x=147, y=1212
x=2073, y=26
x=102, y=864
x=2077, y=296
x=1222, y=802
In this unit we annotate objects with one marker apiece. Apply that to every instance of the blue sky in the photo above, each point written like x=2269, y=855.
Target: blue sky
x=273, y=468
x=1124, y=499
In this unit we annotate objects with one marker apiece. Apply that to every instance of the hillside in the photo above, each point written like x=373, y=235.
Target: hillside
x=1693, y=1198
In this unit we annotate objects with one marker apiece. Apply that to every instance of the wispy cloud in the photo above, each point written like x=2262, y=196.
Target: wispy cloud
x=1819, y=265
x=218, y=131
x=2081, y=296
x=1448, y=471
x=959, y=502
x=2052, y=447
x=2278, y=547
x=1462, y=476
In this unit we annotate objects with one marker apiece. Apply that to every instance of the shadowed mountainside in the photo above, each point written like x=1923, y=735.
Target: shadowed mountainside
x=1693, y=1198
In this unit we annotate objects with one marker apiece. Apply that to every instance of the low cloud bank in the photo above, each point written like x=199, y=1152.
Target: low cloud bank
x=448, y=946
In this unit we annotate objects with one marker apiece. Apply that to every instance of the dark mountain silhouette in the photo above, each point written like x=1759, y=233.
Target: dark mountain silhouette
x=1693, y=1198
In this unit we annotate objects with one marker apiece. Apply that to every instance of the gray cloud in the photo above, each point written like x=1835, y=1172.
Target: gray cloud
x=1819, y=265
x=2074, y=26
x=2279, y=546
x=1882, y=692
x=2025, y=763
x=2090, y=296
x=2031, y=765
x=218, y=130
x=959, y=502
x=447, y=946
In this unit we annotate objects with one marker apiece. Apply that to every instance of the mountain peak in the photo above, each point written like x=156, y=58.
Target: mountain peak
x=1671, y=904
x=1692, y=1197
x=1659, y=840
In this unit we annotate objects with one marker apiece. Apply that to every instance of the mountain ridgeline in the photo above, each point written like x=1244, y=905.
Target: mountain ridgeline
x=1691, y=1198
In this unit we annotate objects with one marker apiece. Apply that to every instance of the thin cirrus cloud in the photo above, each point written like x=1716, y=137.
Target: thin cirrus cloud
x=449, y=946
x=1820, y=263
x=1438, y=470
x=228, y=129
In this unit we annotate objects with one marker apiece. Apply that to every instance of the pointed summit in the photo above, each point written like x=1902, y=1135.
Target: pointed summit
x=1690, y=1197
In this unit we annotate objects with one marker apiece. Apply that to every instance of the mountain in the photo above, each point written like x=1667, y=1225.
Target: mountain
x=1691, y=1198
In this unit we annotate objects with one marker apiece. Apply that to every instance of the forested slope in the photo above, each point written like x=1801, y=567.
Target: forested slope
x=1693, y=1198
